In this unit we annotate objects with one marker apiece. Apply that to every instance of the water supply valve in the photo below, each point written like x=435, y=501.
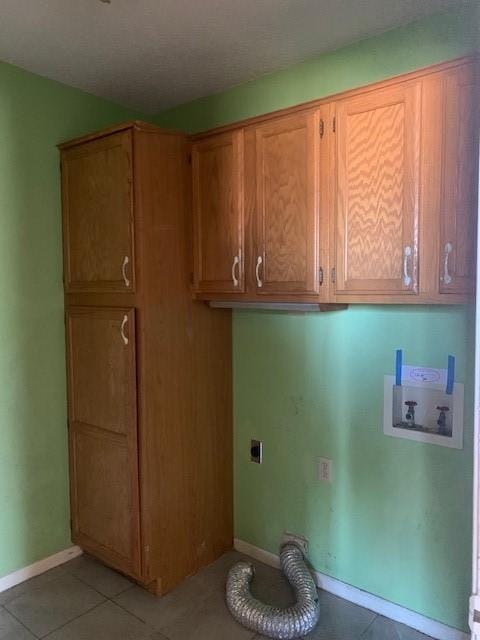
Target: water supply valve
x=442, y=421
x=410, y=415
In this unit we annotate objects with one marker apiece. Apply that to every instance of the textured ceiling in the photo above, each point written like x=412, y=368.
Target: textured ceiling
x=152, y=54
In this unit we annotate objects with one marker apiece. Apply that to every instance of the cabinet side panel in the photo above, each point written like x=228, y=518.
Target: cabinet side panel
x=185, y=379
x=460, y=177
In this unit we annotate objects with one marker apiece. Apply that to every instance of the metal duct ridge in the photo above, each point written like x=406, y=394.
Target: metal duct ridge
x=283, y=624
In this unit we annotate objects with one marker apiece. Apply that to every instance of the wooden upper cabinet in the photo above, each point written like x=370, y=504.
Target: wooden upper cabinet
x=98, y=215
x=458, y=200
x=287, y=156
x=378, y=176
x=373, y=194
x=103, y=434
x=217, y=167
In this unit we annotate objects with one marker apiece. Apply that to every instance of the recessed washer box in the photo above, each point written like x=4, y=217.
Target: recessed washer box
x=420, y=409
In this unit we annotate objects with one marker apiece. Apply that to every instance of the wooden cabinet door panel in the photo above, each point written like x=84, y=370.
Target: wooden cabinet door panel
x=103, y=433
x=98, y=215
x=286, y=225
x=102, y=368
x=218, y=205
x=378, y=160
x=459, y=183
x=102, y=495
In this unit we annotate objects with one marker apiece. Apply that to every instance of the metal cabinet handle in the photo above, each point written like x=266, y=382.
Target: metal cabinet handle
x=124, y=271
x=407, y=253
x=236, y=263
x=122, y=329
x=320, y=276
x=257, y=271
x=447, y=278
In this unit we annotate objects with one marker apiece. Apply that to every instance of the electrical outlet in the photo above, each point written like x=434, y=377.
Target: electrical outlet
x=325, y=470
x=256, y=451
x=300, y=541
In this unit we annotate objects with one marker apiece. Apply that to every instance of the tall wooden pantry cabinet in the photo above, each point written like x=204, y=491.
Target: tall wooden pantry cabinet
x=149, y=369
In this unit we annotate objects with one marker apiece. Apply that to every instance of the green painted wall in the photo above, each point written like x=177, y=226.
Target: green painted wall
x=35, y=114
x=441, y=37
x=397, y=519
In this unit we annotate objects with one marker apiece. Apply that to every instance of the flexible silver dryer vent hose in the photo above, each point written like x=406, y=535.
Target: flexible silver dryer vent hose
x=293, y=622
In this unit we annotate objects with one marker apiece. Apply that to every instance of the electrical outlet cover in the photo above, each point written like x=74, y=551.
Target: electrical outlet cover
x=299, y=540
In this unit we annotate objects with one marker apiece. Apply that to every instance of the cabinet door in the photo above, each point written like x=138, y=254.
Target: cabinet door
x=459, y=182
x=217, y=166
x=286, y=217
x=98, y=215
x=103, y=434
x=378, y=153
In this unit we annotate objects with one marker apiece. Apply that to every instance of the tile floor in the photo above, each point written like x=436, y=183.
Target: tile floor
x=83, y=600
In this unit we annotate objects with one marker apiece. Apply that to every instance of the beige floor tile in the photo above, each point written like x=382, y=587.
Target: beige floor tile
x=106, y=622
x=108, y=582
x=53, y=604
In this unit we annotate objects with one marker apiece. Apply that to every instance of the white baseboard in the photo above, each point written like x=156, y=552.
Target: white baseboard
x=363, y=598
x=35, y=569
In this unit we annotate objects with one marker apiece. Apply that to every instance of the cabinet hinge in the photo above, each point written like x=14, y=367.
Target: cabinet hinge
x=322, y=127
x=320, y=276
x=334, y=124
x=333, y=275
